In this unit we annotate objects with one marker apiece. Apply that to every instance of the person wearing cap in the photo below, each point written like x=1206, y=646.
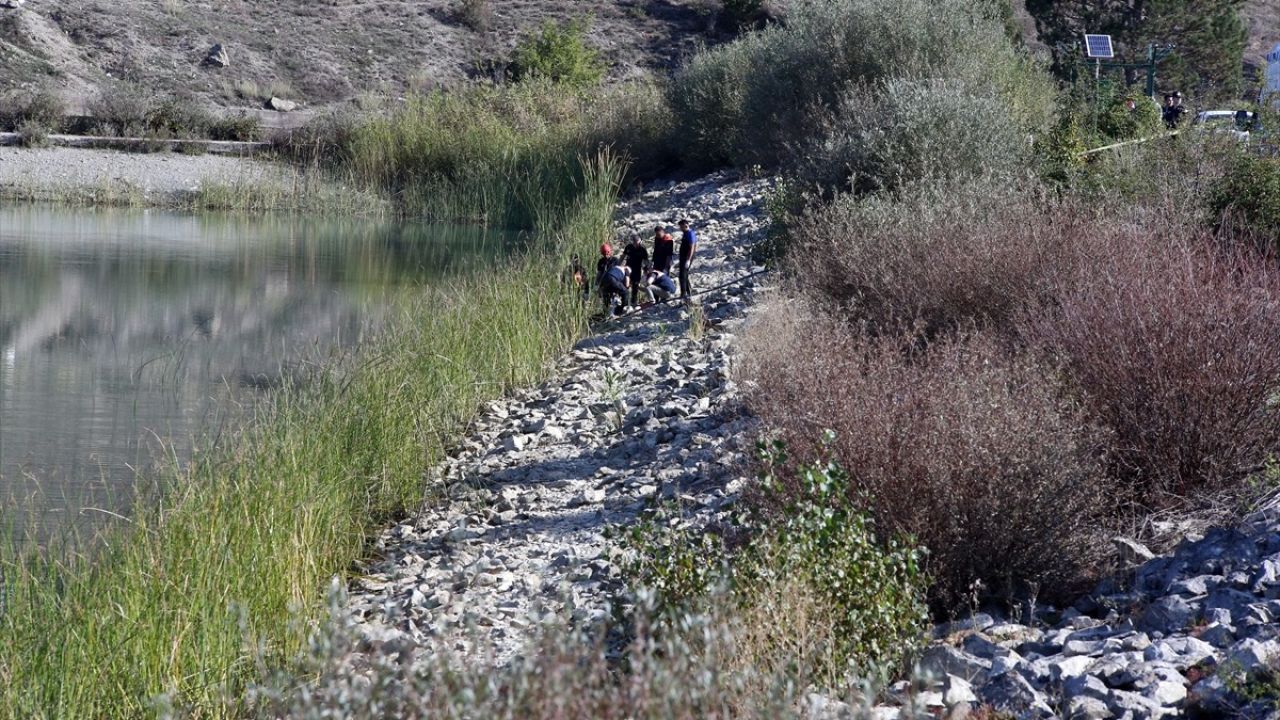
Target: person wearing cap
x=635, y=257
x=1173, y=110
x=664, y=248
x=688, y=242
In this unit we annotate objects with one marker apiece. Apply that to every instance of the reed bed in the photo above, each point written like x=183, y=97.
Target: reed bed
x=226, y=566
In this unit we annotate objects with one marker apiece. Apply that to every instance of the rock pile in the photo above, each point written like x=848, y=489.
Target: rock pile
x=1193, y=634
x=645, y=410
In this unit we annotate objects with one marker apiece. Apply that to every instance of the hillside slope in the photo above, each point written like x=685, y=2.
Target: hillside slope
x=315, y=51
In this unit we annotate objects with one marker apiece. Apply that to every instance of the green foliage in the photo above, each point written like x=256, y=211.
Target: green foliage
x=872, y=588
x=1247, y=197
x=1059, y=152
x=904, y=131
x=33, y=133
x=875, y=586
x=505, y=155
x=1209, y=36
x=742, y=12
x=241, y=127
x=560, y=54
x=476, y=14
x=771, y=97
x=674, y=561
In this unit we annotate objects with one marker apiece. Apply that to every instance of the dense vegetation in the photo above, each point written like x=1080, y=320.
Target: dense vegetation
x=1207, y=38
x=987, y=356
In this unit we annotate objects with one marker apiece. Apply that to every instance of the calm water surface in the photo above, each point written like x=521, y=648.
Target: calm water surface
x=125, y=335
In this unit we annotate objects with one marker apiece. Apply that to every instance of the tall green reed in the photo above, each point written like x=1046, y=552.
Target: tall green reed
x=239, y=544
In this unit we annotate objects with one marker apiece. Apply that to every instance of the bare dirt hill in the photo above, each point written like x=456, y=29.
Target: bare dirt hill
x=317, y=51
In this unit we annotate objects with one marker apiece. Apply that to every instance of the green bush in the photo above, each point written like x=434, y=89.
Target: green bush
x=33, y=133
x=750, y=101
x=905, y=131
x=558, y=53
x=1247, y=197
x=239, y=128
x=818, y=538
x=874, y=585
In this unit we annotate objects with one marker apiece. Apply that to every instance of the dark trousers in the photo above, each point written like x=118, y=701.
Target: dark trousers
x=684, y=277
x=637, y=274
x=609, y=287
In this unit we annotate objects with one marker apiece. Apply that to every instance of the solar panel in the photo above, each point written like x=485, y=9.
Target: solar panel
x=1098, y=46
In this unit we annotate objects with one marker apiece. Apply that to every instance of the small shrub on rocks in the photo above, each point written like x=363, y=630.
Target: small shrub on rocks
x=476, y=14
x=962, y=446
x=821, y=545
x=241, y=127
x=33, y=134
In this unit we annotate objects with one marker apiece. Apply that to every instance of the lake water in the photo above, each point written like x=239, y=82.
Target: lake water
x=124, y=335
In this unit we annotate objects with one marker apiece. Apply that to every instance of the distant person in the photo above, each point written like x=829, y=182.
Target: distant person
x=1244, y=121
x=688, y=243
x=605, y=263
x=615, y=285
x=635, y=256
x=664, y=248
x=1173, y=111
x=658, y=285
x=575, y=277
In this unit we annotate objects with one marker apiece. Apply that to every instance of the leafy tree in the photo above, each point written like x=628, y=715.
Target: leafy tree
x=1209, y=38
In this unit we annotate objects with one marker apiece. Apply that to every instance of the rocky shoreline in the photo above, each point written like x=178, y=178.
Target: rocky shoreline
x=646, y=411
x=643, y=412
x=1190, y=634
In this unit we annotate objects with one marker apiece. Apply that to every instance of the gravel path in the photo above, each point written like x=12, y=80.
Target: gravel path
x=642, y=412
x=56, y=172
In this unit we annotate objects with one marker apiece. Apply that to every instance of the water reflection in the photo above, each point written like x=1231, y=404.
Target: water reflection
x=122, y=328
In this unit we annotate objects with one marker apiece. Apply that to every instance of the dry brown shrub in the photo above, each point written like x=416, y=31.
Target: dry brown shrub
x=940, y=256
x=963, y=445
x=1174, y=344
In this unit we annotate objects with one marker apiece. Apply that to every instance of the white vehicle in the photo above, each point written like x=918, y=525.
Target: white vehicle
x=1235, y=122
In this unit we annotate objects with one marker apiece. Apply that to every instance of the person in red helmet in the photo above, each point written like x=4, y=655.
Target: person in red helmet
x=607, y=278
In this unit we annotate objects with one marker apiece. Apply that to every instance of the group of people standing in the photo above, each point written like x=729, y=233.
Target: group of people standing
x=635, y=270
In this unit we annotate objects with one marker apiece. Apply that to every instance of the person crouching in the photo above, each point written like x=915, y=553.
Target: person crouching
x=658, y=285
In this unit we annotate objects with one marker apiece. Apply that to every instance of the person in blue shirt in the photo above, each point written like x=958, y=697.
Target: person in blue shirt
x=614, y=282
x=688, y=242
x=658, y=285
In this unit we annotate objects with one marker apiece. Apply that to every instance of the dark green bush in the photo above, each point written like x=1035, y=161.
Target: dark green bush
x=241, y=127
x=1247, y=197
x=558, y=53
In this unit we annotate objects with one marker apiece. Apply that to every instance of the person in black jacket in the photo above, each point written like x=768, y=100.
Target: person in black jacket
x=1173, y=110
x=634, y=255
